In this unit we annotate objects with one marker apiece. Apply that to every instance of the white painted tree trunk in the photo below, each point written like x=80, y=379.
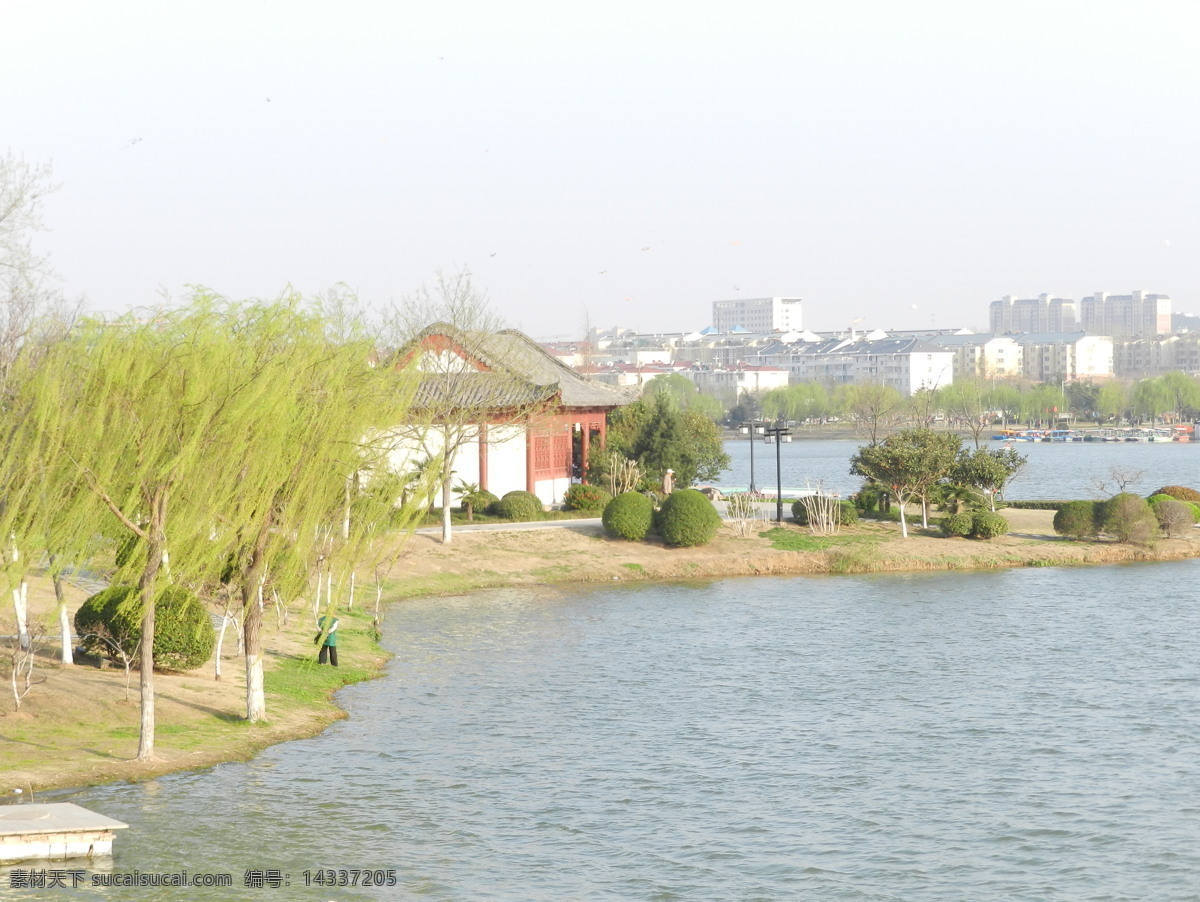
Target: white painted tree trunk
x=20, y=596
x=220, y=642
x=256, y=699
x=447, y=495
x=317, y=598
x=350, y=603
x=64, y=623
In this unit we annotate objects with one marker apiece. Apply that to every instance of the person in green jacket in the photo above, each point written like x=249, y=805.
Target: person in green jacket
x=329, y=647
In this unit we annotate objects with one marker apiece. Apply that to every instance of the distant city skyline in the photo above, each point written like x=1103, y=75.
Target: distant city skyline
x=898, y=166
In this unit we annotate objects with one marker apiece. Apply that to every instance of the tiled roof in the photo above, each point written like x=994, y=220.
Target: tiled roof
x=521, y=369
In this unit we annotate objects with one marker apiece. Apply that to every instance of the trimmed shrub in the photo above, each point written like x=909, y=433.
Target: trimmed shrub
x=956, y=525
x=628, y=516
x=183, y=632
x=688, y=518
x=94, y=615
x=518, y=505
x=1037, y=505
x=580, y=497
x=1129, y=518
x=1076, y=519
x=1174, y=517
x=1179, y=493
x=986, y=525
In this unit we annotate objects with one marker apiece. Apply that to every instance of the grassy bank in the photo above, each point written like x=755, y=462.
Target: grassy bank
x=78, y=725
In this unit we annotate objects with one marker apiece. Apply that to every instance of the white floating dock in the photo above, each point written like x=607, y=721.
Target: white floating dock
x=55, y=831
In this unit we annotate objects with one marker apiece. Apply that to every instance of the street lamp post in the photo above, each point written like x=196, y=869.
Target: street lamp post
x=751, y=429
x=778, y=435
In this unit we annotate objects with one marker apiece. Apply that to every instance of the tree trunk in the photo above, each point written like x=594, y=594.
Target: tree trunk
x=64, y=622
x=220, y=642
x=447, y=494
x=21, y=610
x=256, y=698
x=155, y=545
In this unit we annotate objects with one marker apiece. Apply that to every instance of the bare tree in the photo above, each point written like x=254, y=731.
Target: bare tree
x=21, y=653
x=876, y=409
x=1117, y=479
x=466, y=393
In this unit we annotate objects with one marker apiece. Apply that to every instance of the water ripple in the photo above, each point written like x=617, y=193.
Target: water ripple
x=1017, y=735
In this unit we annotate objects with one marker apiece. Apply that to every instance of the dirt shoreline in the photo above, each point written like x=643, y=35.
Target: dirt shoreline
x=76, y=728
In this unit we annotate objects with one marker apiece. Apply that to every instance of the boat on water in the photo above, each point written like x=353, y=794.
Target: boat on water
x=1102, y=434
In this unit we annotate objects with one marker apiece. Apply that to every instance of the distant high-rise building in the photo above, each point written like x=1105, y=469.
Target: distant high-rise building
x=758, y=315
x=1126, y=315
x=1044, y=313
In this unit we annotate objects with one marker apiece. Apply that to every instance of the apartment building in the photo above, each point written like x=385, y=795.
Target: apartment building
x=982, y=356
x=1045, y=313
x=757, y=314
x=1137, y=314
x=1137, y=358
x=1054, y=356
x=906, y=364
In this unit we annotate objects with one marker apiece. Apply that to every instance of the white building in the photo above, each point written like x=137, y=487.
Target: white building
x=982, y=356
x=1055, y=356
x=906, y=364
x=757, y=314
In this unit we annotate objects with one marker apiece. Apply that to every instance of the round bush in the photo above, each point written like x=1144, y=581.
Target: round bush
x=1129, y=518
x=94, y=615
x=518, y=505
x=1076, y=519
x=628, y=516
x=986, y=525
x=183, y=632
x=1179, y=493
x=580, y=497
x=1174, y=517
x=956, y=525
x=688, y=518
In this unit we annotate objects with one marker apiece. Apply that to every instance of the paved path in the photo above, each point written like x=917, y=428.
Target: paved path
x=585, y=524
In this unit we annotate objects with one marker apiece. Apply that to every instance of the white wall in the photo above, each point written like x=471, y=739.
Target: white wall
x=506, y=459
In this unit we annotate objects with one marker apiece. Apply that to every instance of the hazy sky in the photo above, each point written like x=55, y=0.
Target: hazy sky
x=898, y=164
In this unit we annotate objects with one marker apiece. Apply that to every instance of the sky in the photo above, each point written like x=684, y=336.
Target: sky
x=897, y=165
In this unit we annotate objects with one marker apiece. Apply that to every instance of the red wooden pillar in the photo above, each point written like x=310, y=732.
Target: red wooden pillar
x=587, y=440
x=530, y=439
x=483, y=457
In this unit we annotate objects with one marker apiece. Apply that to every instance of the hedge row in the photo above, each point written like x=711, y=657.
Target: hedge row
x=1127, y=517
x=976, y=525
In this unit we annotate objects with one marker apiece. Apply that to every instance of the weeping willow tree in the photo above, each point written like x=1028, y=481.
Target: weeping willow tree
x=220, y=438
x=313, y=482
x=131, y=426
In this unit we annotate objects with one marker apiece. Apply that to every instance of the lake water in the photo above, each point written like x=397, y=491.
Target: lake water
x=1024, y=734
x=1056, y=470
